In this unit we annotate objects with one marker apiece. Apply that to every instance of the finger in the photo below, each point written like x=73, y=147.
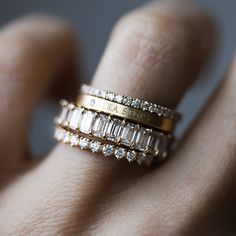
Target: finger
x=34, y=50
x=199, y=180
x=152, y=50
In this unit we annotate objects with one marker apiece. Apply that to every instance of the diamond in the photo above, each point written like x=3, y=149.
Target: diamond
x=83, y=143
x=110, y=96
x=74, y=140
x=66, y=138
x=95, y=146
x=165, y=112
x=59, y=134
x=63, y=115
x=152, y=108
x=100, y=126
x=63, y=103
x=141, y=157
x=153, y=141
x=145, y=105
x=136, y=103
x=141, y=140
x=127, y=100
x=87, y=122
x=128, y=134
x=75, y=118
x=85, y=89
x=108, y=150
x=103, y=93
x=114, y=130
x=118, y=98
x=120, y=153
x=131, y=156
x=68, y=117
x=92, y=91
x=97, y=92
x=159, y=111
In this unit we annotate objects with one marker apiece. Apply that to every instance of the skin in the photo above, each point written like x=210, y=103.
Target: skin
x=154, y=53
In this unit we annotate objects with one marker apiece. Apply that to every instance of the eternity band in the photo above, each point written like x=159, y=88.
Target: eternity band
x=75, y=140
x=126, y=112
x=131, y=102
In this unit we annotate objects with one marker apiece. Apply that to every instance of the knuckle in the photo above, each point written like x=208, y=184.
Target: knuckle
x=144, y=38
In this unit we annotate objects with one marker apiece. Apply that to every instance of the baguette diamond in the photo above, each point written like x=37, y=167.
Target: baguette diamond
x=63, y=115
x=75, y=118
x=87, y=122
x=114, y=130
x=128, y=134
x=142, y=138
x=100, y=126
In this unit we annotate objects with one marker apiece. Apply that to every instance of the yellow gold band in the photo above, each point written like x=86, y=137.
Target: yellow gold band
x=112, y=108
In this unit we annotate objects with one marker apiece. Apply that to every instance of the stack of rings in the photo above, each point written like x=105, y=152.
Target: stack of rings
x=117, y=125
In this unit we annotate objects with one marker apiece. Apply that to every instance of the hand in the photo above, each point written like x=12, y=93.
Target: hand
x=155, y=53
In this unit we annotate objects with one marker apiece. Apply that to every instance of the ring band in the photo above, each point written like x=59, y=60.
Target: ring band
x=113, y=130
x=131, y=102
x=75, y=140
x=149, y=119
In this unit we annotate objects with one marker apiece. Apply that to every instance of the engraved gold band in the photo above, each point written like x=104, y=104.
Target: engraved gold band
x=112, y=108
x=131, y=102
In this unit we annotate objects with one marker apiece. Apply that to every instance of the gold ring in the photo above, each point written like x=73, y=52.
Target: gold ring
x=75, y=140
x=131, y=102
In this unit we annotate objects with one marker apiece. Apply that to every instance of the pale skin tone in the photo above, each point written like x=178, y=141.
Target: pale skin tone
x=154, y=53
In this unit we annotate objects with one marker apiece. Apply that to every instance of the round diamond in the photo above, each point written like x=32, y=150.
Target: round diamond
x=83, y=143
x=103, y=93
x=118, y=98
x=152, y=107
x=145, y=105
x=131, y=156
x=95, y=146
x=120, y=153
x=59, y=134
x=136, y=103
x=92, y=91
x=97, y=92
x=141, y=158
x=108, y=150
x=159, y=111
x=66, y=138
x=74, y=141
x=127, y=100
x=110, y=96
x=166, y=112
